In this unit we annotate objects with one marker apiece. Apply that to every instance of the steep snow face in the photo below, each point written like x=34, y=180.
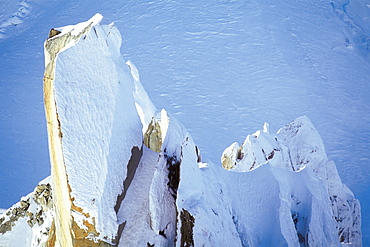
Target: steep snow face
x=93, y=128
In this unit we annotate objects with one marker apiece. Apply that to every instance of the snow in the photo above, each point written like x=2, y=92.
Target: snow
x=30, y=219
x=221, y=68
x=98, y=120
x=144, y=202
x=303, y=195
x=280, y=189
x=78, y=28
x=143, y=104
x=13, y=15
x=298, y=147
x=12, y=238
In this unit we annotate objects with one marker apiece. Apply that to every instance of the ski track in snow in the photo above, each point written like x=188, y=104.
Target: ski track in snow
x=223, y=68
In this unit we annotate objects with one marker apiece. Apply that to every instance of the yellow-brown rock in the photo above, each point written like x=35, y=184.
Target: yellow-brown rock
x=153, y=136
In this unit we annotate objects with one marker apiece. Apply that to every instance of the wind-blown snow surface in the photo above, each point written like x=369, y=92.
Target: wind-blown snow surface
x=239, y=63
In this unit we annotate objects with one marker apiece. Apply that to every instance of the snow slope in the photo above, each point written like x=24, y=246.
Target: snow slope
x=241, y=64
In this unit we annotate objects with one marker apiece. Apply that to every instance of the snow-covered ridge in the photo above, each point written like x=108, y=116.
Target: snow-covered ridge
x=295, y=146
x=298, y=148
x=124, y=174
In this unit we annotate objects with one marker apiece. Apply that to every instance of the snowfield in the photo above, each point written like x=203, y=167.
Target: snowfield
x=221, y=68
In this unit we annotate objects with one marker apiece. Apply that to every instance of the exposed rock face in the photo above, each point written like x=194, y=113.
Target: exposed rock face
x=108, y=189
x=156, y=132
x=187, y=224
x=32, y=216
x=153, y=136
x=230, y=156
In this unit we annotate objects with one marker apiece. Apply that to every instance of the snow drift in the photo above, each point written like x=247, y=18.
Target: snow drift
x=124, y=174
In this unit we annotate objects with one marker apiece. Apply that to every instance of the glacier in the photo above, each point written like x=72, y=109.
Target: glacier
x=125, y=174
